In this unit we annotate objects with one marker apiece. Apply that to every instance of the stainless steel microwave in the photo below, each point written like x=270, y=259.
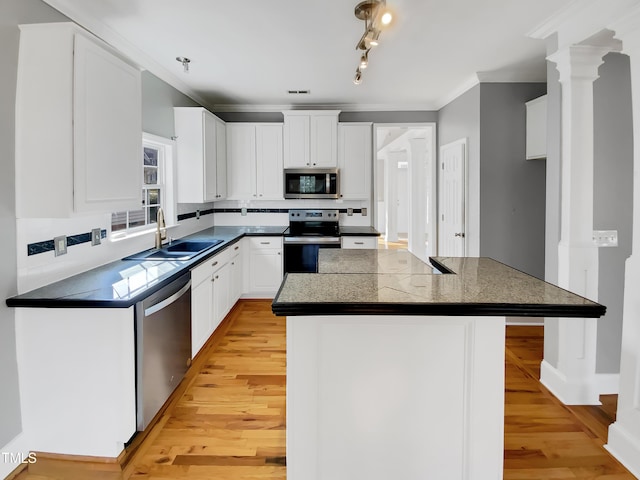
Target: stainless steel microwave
x=311, y=183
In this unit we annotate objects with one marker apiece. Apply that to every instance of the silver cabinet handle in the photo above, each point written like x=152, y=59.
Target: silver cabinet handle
x=217, y=277
x=214, y=263
x=459, y=234
x=358, y=243
x=265, y=243
x=237, y=247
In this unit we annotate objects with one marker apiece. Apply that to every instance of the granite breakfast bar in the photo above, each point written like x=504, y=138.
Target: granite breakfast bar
x=395, y=368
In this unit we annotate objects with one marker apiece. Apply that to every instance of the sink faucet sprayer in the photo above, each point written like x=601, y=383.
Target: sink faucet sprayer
x=161, y=231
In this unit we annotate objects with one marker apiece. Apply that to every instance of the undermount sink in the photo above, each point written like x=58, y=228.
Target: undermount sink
x=180, y=250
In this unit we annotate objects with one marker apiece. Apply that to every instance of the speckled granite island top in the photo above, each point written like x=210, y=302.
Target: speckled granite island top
x=395, y=282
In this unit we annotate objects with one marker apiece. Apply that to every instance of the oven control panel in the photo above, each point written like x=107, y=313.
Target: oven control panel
x=314, y=215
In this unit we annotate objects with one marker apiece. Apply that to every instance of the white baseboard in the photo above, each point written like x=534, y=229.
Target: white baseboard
x=569, y=392
x=16, y=449
x=625, y=447
x=608, y=383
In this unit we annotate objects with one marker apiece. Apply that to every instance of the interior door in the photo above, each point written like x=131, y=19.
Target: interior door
x=451, y=221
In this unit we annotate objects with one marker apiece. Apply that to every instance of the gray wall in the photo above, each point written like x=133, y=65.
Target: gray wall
x=613, y=197
x=158, y=100
x=12, y=13
x=461, y=119
x=512, y=189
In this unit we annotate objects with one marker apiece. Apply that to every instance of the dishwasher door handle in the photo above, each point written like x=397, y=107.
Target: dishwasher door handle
x=167, y=301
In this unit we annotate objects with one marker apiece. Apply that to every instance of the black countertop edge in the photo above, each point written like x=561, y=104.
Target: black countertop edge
x=68, y=302
x=444, y=309
x=358, y=234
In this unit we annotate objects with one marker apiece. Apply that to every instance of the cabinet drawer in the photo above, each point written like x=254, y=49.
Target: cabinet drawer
x=265, y=242
x=359, y=242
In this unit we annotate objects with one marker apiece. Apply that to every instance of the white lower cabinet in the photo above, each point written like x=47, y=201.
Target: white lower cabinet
x=213, y=293
x=264, y=273
x=359, y=242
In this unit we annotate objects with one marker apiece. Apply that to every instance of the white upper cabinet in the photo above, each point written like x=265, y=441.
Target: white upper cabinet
x=537, y=128
x=311, y=138
x=202, y=155
x=78, y=125
x=354, y=160
x=255, y=161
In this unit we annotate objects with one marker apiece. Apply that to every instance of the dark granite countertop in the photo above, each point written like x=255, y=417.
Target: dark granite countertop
x=388, y=282
x=122, y=283
x=359, y=231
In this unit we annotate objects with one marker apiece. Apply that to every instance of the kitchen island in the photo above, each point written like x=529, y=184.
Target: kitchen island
x=395, y=368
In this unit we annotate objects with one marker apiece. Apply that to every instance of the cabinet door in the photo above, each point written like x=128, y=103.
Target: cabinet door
x=296, y=141
x=221, y=290
x=235, y=279
x=221, y=160
x=354, y=161
x=107, y=127
x=210, y=157
x=241, y=161
x=324, y=141
x=269, y=162
x=265, y=265
x=201, y=314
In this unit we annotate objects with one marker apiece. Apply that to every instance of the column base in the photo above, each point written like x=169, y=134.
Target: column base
x=569, y=391
x=625, y=446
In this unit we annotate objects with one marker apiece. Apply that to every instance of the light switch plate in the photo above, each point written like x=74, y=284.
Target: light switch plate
x=364, y=212
x=243, y=211
x=350, y=212
x=60, y=245
x=605, y=238
x=95, y=236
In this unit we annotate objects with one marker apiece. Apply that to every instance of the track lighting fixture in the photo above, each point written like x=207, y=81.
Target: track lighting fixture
x=358, y=78
x=364, y=59
x=185, y=63
x=375, y=15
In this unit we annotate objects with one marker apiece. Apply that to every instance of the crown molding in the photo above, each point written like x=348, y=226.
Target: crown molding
x=343, y=107
x=465, y=86
x=118, y=42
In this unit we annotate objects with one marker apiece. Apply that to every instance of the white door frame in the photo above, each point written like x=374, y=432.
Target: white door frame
x=465, y=188
x=432, y=230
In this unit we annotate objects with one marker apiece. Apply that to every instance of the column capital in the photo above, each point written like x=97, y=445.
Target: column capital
x=578, y=62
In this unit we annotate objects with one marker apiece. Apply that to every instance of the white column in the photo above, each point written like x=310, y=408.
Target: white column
x=573, y=379
x=624, y=434
x=419, y=196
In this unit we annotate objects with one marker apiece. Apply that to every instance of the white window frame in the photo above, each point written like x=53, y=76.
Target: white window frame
x=166, y=176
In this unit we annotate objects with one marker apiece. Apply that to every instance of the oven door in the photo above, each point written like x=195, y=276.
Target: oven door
x=301, y=253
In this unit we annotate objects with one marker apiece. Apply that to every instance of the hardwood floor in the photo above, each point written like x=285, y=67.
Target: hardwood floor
x=230, y=422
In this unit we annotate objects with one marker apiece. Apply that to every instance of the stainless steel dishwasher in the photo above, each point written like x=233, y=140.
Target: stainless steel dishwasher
x=163, y=346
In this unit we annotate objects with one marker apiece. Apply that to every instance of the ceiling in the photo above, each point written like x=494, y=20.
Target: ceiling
x=248, y=54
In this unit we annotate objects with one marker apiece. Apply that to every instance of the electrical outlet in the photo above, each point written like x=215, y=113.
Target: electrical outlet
x=95, y=237
x=197, y=214
x=60, y=245
x=605, y=238
x=350, y=212
x=364, y=212
x=243, y=211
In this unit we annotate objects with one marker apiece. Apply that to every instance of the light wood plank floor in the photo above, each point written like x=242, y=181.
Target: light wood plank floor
x=230, y=423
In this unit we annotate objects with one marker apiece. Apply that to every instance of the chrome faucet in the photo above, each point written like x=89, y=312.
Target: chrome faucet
x=161, y=231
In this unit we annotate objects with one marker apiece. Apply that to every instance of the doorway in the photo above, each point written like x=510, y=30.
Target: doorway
x=405, y=185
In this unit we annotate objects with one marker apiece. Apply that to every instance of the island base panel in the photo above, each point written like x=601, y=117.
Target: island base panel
x=382, y=397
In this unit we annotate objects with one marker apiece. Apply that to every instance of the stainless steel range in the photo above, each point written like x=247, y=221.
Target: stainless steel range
x=309, y=231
